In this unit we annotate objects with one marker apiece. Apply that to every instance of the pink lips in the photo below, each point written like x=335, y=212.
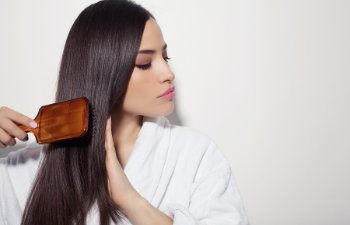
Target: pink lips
x=169, y=93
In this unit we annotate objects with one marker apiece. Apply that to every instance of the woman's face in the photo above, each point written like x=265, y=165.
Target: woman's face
x=151, y=76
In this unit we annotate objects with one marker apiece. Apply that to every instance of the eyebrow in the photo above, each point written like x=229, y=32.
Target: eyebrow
x=149, y=51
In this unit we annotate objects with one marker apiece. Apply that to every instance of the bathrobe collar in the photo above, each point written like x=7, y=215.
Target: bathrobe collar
x=148, y=157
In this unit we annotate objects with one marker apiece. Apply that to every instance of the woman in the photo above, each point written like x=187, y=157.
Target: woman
x=133, y=166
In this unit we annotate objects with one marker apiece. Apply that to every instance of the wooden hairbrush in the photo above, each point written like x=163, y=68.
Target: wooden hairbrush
x=61, y=121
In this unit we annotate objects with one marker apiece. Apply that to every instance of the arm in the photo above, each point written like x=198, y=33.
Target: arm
x=140, y=212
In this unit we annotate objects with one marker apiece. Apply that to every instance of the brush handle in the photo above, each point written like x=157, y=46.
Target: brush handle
x=35, y=131
x=24, y=128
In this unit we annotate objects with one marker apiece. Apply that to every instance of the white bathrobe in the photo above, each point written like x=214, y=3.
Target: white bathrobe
x=178, y=169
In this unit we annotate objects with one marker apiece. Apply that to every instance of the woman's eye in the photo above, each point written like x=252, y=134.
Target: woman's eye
x=147, y=66
x=166, y=58
x=144, y=67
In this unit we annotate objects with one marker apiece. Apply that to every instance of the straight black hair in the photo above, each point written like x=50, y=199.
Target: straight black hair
x=97, y=62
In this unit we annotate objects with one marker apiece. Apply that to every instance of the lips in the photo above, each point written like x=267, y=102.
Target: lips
x=171, y=89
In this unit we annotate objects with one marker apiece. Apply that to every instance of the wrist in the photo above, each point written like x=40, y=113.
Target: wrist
x=132, y=201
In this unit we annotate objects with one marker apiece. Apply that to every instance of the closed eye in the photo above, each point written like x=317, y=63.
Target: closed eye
x=147, y=66
x=144, y=67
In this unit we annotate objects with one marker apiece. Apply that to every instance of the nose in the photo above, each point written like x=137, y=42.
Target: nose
x=167, y=73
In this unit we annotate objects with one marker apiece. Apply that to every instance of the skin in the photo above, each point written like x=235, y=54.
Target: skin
x=124, y=124
x=8, y=124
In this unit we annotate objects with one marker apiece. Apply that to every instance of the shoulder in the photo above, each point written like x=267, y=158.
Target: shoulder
x=199, y=150
x=17, y=172
x=186, y=138
x=21, y=163
x=28, y=153
x=192, y=135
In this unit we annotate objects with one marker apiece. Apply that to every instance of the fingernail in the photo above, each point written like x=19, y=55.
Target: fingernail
x=33, y=124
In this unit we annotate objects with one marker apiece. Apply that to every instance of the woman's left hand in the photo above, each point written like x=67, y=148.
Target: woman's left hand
x=120, y=189
x=136, y=208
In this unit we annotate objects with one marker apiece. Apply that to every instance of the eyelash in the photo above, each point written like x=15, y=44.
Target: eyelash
x=147, y=66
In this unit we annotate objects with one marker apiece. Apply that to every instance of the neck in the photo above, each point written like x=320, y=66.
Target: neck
x=125, y=128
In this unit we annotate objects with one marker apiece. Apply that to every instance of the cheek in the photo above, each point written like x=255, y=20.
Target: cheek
x=140, y=92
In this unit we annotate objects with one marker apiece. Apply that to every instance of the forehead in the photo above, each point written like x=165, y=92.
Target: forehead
x=152, y=37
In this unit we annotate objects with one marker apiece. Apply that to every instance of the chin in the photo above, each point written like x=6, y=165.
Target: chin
x=164, y=111
x=170, y=110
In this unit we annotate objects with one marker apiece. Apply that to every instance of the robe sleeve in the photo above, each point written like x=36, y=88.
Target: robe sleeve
x=215, y=198
x=14, y=170
x=2, y=188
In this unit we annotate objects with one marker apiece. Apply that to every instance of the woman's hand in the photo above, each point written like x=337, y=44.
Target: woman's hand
x=120, y=189
x=8, y=124
x=136, y=208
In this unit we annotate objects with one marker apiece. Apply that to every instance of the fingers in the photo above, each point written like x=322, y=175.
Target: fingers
x=109, y=144
x=6, y=139
x=2, y=145
x=111, y=157
x=109, y=187
x=16, y=116
x=8, y=124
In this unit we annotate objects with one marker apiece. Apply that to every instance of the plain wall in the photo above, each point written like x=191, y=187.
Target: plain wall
x=267, y=80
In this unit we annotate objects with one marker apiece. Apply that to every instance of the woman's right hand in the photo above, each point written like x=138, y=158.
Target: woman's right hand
x=8, y=124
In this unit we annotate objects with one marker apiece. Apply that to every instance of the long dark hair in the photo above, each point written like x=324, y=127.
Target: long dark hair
x=97, y=62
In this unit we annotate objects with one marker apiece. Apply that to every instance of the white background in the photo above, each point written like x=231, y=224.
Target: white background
x=269, y=81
